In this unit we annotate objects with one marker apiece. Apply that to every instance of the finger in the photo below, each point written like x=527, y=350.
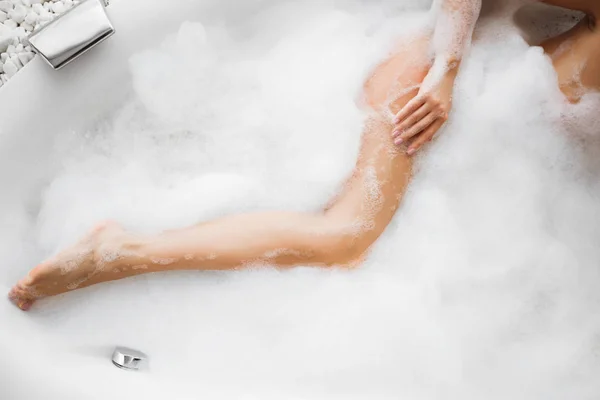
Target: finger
x=425, y=137
x=412, y=120
x=409, y=108
x=417, y=128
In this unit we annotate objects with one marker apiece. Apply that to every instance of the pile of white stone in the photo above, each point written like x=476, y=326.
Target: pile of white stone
x=18, y=18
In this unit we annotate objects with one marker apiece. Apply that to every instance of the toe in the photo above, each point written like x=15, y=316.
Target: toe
x=21, y=297
x=25, y=305
x=16, y=292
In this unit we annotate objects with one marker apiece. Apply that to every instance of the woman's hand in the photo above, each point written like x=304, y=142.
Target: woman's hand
x=420, y=119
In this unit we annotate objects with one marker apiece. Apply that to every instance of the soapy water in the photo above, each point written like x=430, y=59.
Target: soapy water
x=486, y=284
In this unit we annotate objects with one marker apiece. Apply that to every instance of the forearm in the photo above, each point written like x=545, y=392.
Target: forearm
x=424, y=115
x=454, y=24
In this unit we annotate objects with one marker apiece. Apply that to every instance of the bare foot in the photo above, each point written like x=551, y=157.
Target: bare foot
x=83, y=264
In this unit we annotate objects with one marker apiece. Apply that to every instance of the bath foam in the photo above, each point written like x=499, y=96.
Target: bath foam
x=484, y=286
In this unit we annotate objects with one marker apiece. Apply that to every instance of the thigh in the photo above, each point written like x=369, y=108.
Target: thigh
x=373, y=193
x=397, y=79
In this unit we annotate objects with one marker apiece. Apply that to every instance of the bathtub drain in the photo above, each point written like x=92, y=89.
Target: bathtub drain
x=129, y=359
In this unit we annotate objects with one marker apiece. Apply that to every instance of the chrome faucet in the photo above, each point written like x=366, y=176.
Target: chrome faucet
x=72, y=33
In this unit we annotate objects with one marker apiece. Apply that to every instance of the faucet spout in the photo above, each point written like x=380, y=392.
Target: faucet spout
x=73, y=33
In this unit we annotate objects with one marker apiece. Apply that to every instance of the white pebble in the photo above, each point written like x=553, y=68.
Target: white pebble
x=4, y=78
x=38, y=8
x=5, y=41
x=34, y=2
x=3, y=57
x=47, y=6
x=11, y=49
x=45, y=16
x=31, y=17
x=25, y=57
x=9, y=23
x=10, y=68
x=19, y=33
x=15, y=60
x=27, y=27
x=18, y=13
x=3, y=16
x=15, y=2
x=6, y=5
x=58, y=7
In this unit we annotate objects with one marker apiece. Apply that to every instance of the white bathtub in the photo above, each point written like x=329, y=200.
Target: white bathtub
x=38, y=362
x=35, y=363
x=41, y=101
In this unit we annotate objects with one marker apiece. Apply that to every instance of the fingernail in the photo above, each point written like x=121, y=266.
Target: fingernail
x=395, y=133
x=410, y=151
x=399, y=141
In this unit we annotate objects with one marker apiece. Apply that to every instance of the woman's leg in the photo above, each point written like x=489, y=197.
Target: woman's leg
x=339, y=235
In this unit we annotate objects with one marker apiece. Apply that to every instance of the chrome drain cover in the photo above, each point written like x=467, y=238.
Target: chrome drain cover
x=129, y=359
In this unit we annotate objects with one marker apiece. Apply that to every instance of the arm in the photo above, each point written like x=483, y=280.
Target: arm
x=455, y=22
x=421, y=118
